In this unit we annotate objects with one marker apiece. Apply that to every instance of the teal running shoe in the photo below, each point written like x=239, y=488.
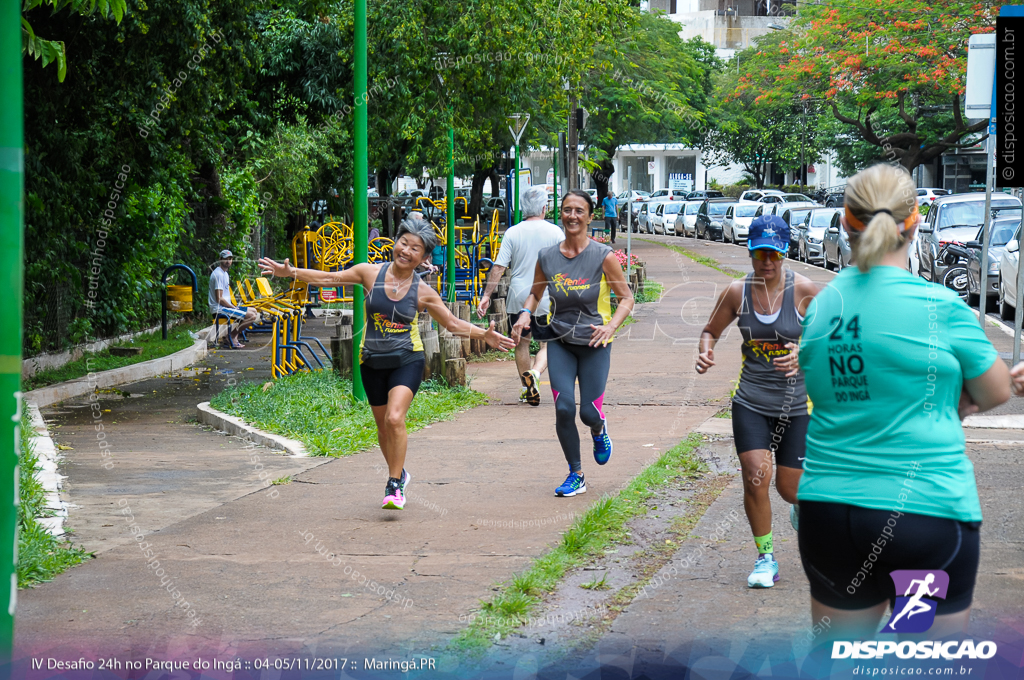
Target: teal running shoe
x=766, y=572
x=572, y=485
x=602, y=445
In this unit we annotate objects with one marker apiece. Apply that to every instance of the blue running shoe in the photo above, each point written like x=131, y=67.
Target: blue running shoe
x=766, y=572
x=602, y=445
x=572, y=485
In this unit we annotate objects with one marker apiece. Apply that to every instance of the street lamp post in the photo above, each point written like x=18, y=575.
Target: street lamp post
x=517, y=125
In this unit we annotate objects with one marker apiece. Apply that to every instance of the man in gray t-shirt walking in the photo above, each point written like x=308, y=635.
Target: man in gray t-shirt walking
x=519, y=248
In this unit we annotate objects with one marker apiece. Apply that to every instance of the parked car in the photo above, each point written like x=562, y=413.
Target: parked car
x=1005, y=228
x=759, y=195
x=836, y=246
x=1008, y=280
x=664, y=217
x=954, y=218
x=686, y=219
x=490, y=206
x=668, y=195
x=710, y=216
x=637, y=198
x=643, y=219
x=928, y=195
x=408, y=198
x=796, y=198
x=794, y=217
x=812, y=233
x=831, y=197
x=701, y=194
x=737, y=221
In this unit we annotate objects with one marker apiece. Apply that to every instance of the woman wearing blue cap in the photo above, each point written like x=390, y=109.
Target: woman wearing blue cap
x=769, y=410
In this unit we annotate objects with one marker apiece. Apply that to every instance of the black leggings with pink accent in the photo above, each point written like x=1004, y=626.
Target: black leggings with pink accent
x=568, y=364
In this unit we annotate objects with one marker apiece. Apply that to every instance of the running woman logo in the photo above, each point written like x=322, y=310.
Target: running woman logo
x=914, y=611
x=383, y=325
x=564, y=283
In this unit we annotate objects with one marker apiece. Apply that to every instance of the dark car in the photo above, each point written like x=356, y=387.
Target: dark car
x=492, y=205
x=955, y=218
x=710, y=217
x=794, y=217
x=1005, y=228
x=704, y=193
x=831, y=197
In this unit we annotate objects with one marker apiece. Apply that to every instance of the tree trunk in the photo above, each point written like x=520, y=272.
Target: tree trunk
x=602, y=178
x=495, y=182
x=476, y=194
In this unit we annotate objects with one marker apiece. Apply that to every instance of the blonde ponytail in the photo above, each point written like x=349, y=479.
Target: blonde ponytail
x=882, y=198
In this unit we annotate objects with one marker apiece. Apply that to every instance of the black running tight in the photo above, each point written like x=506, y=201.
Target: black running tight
x=568, y=364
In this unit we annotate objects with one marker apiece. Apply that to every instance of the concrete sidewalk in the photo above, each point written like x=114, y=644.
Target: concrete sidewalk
x=247, y=563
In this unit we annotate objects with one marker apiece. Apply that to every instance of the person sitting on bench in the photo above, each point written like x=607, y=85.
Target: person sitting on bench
x=220, y=302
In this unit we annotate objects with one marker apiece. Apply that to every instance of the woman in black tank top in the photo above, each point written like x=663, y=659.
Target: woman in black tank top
x=391, y=356
x=769, y=410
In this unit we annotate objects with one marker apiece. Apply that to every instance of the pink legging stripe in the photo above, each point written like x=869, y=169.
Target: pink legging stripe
x=598, y=404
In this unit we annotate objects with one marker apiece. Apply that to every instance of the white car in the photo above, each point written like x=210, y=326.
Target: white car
x=664, y=217
x=686, y=219
x=760, y=194
x=1008, y=281
x=927, y=195
x=736, y=224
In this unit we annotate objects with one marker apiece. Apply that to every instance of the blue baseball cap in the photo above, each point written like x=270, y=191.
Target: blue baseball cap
x=768, y=231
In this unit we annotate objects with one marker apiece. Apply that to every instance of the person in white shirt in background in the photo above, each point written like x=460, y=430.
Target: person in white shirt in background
x=220, y=301
x=519, y=248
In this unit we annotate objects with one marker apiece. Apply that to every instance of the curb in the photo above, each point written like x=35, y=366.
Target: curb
x=238, y=428
x=1007, y=422
x=47, y=474
x=45, y=396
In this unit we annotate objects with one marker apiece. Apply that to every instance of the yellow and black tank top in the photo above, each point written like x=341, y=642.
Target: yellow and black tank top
x=579, y=293
x=391, y=325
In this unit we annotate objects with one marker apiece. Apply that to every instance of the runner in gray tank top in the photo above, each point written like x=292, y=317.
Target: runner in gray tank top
x=769, y=411
x=391, y=356
x=579, y=276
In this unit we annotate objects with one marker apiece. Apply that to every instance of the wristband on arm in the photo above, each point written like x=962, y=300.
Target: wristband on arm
x=527, y=310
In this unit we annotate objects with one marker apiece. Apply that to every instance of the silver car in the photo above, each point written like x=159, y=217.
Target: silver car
x=812, y=233
x=736, y=224
x=1008, y=281
x=686, y=220
x=836, y=246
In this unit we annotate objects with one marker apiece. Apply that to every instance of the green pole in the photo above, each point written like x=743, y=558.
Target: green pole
x=554, y=164
x=12, y=185
x=360, y=173
x=515, y=217
x=450, y=226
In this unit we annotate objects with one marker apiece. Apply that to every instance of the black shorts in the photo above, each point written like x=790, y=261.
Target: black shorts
x=787, y=438
x=837, y=539
x=378, y=382
x=512, y=318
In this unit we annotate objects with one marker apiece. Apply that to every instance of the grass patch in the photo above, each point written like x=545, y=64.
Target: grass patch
x=602, y=525
x=41, y=556
x=152, y=344
x=703, y=259
x=282, y=480
x=652, y=292
x=597, y=583
x=317, y=409
x=724, y=413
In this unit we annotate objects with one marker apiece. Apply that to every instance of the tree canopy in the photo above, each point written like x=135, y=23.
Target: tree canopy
x=892, y=71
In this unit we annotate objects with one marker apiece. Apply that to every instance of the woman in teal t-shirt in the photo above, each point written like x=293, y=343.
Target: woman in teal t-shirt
x=887, y=358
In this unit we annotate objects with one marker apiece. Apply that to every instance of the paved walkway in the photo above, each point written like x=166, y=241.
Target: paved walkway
x=248, y=563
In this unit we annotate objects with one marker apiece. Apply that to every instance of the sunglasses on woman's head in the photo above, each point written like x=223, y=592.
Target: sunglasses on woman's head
x=765, y=254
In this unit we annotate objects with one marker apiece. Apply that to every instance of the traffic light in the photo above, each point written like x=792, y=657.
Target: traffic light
x=581, y=118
